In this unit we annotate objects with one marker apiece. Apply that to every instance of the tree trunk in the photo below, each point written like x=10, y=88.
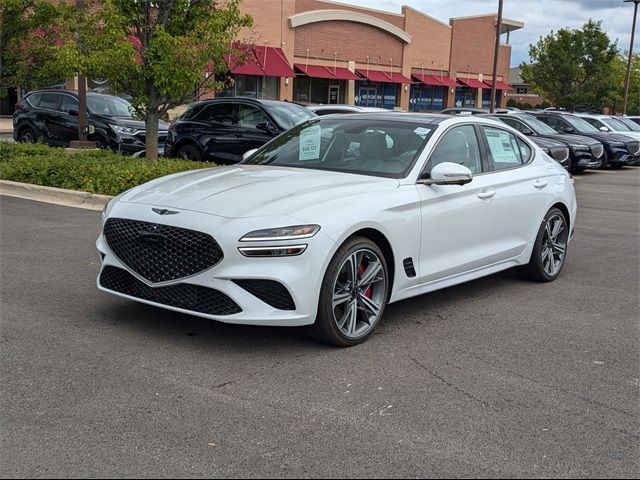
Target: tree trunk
x=151, y=122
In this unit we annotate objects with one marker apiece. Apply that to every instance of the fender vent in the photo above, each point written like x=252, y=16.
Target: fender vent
x=408, y=267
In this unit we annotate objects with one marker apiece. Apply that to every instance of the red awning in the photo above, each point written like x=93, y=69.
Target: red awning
x=380, y=76
x=501, y=86
x=343, y=73
x=315, y=71
x=263, y=61
x=428, y=79
x=473, y=83
x=449, y=82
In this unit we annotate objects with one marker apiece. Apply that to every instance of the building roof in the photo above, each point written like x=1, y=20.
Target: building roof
x=515, y=77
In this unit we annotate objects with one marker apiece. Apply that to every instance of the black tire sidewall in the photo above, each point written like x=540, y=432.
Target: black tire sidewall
x=34, y=135
x=324, y=319
x=195, y=154
x=536, y=256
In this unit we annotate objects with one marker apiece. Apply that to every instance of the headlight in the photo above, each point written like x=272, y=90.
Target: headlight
x=284, y=233
x=124, y=130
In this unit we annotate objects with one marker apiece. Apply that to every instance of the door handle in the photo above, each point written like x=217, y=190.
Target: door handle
x=485, y=195
x=541, y=184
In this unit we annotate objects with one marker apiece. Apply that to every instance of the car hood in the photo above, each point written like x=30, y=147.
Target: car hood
x=545, y=142
x=610, y=137
x=133, y=123
x=254, y=190
x=571, y=139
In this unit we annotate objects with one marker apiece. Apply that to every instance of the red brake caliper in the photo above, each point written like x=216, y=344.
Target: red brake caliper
x=367, y=293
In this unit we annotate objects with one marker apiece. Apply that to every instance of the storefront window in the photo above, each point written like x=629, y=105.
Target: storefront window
x=253, y=86
x=486, y=98
x=376, y=94
x=426, y=98
x=318, y=90
x=466, y=97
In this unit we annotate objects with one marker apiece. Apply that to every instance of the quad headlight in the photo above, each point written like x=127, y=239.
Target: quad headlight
x=295, y=232
x=124, y=130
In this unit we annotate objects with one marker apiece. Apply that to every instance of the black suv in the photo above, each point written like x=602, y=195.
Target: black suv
x=584, y=151
x=223, y=129
x=619, y=149
x=51, y=116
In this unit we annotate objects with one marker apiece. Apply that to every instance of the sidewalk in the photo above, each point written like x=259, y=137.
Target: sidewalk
x=6, y=125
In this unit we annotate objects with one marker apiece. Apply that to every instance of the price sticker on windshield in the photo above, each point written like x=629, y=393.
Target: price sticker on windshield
x=310, y=139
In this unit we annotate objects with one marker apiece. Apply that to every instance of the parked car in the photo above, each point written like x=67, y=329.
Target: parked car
x=635, y=119
x=585, y=152
x=470, y=111
x=339, y=109
x=619, y=149
x=607, y=123
x=629, y=123
x=306, y=232
x=223, y=129
x=51, y=116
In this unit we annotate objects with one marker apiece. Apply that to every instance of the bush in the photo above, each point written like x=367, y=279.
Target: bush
x=103, y=171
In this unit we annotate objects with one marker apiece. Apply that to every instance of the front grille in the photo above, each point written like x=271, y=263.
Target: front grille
x=194, y=298
x=597, y=150
x=160, y=253
x=582, y=155
x=633, y=147
x=270, y=292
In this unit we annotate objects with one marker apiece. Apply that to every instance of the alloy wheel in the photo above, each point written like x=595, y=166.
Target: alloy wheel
x=358, y=293
x=554, y=244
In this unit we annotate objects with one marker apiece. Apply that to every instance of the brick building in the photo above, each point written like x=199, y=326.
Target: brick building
x=321, y=51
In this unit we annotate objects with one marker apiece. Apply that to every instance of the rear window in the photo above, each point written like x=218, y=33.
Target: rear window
x=34, y=99
x=50, y=101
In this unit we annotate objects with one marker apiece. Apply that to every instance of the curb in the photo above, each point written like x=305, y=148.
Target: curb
x=58, y=196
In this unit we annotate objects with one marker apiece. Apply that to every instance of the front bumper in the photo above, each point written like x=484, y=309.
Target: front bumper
x=301, y=275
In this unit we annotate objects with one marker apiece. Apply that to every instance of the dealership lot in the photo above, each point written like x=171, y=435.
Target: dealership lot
x=498, y=377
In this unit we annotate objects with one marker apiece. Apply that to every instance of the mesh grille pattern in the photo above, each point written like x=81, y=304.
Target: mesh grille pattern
x=270, y=292
x=188, y=297
x=161, y=253
x=633, y=147
x=597, y=150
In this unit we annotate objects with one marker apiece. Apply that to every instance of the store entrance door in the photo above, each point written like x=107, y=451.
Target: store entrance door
x=368, y=97
x=334, y=94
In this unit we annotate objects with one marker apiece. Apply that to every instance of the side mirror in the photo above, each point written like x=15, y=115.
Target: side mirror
x=568, y=130
x=448, y=173
x=266, y=126
x=73, y=113
x=604, y=129
x=248, y=153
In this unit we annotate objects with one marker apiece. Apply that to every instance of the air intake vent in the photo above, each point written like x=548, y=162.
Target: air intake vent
x=270, y=292
x=408, y=267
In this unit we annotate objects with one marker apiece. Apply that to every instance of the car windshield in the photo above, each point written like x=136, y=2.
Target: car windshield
x=537, y=126
x=630, y=124
x=289, y=114
x=615, y=124
x=368, y=147
x=109, y=106
x=580, y=125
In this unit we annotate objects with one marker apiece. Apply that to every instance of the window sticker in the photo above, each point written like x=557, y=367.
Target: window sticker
x=310, y=139
x=501, y=147
x=421, y=131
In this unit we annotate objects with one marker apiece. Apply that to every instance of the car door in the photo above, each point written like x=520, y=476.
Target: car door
x=522, y=190
x=48, y=111
x=457, y=221
x=250, y=137
x=68, y=121
x=216, y=129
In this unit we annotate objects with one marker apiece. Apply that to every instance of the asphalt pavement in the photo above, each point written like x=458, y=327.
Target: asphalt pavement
x=494, y=378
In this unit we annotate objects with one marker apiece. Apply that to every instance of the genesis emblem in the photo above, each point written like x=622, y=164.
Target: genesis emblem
x=164, y=211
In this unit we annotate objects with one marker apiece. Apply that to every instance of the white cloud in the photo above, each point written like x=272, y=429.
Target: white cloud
x=539, y=17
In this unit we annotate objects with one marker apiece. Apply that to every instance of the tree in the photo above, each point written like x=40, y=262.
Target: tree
x=31, y=32
x=156, y=52
x=574, y=69
x=615, y=98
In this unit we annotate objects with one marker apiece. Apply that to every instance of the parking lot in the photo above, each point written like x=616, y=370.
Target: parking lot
x=498, y=377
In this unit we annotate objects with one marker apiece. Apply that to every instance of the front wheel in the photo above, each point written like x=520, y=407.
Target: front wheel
x=550, y=248
x=189, y=152
x=353, y=295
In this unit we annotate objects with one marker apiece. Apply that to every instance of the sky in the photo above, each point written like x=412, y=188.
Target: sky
x=539, y=17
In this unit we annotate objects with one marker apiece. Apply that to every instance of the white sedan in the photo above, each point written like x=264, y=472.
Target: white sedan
x=334, y=219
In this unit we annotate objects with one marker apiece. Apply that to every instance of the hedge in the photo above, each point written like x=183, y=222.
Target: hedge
x=102, y=171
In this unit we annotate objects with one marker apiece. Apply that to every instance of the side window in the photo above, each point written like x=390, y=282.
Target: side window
x=458, y=145
x=50, y=101
x=68, y=103
x=554, y=123
x=34, y=99
x=504, y=148
x=221, y=113
x=250, y=116
x=519, y=126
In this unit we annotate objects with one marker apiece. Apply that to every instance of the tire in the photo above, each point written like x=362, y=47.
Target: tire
x=616, y=166
x=189, y=152
x=540, y=267
x=27, y=135
x=349, y=311
x=605, y=161
x=101, y=142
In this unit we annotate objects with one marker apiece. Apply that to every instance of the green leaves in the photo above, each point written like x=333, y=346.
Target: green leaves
x=573, y=68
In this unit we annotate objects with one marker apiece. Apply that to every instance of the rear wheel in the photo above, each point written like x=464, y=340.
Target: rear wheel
x=27, y=135
x=353, y=295
x=550, y=248
x=189, y=152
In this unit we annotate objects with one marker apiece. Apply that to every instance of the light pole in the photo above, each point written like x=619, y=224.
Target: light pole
x=492, y=106
x=633, y=32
